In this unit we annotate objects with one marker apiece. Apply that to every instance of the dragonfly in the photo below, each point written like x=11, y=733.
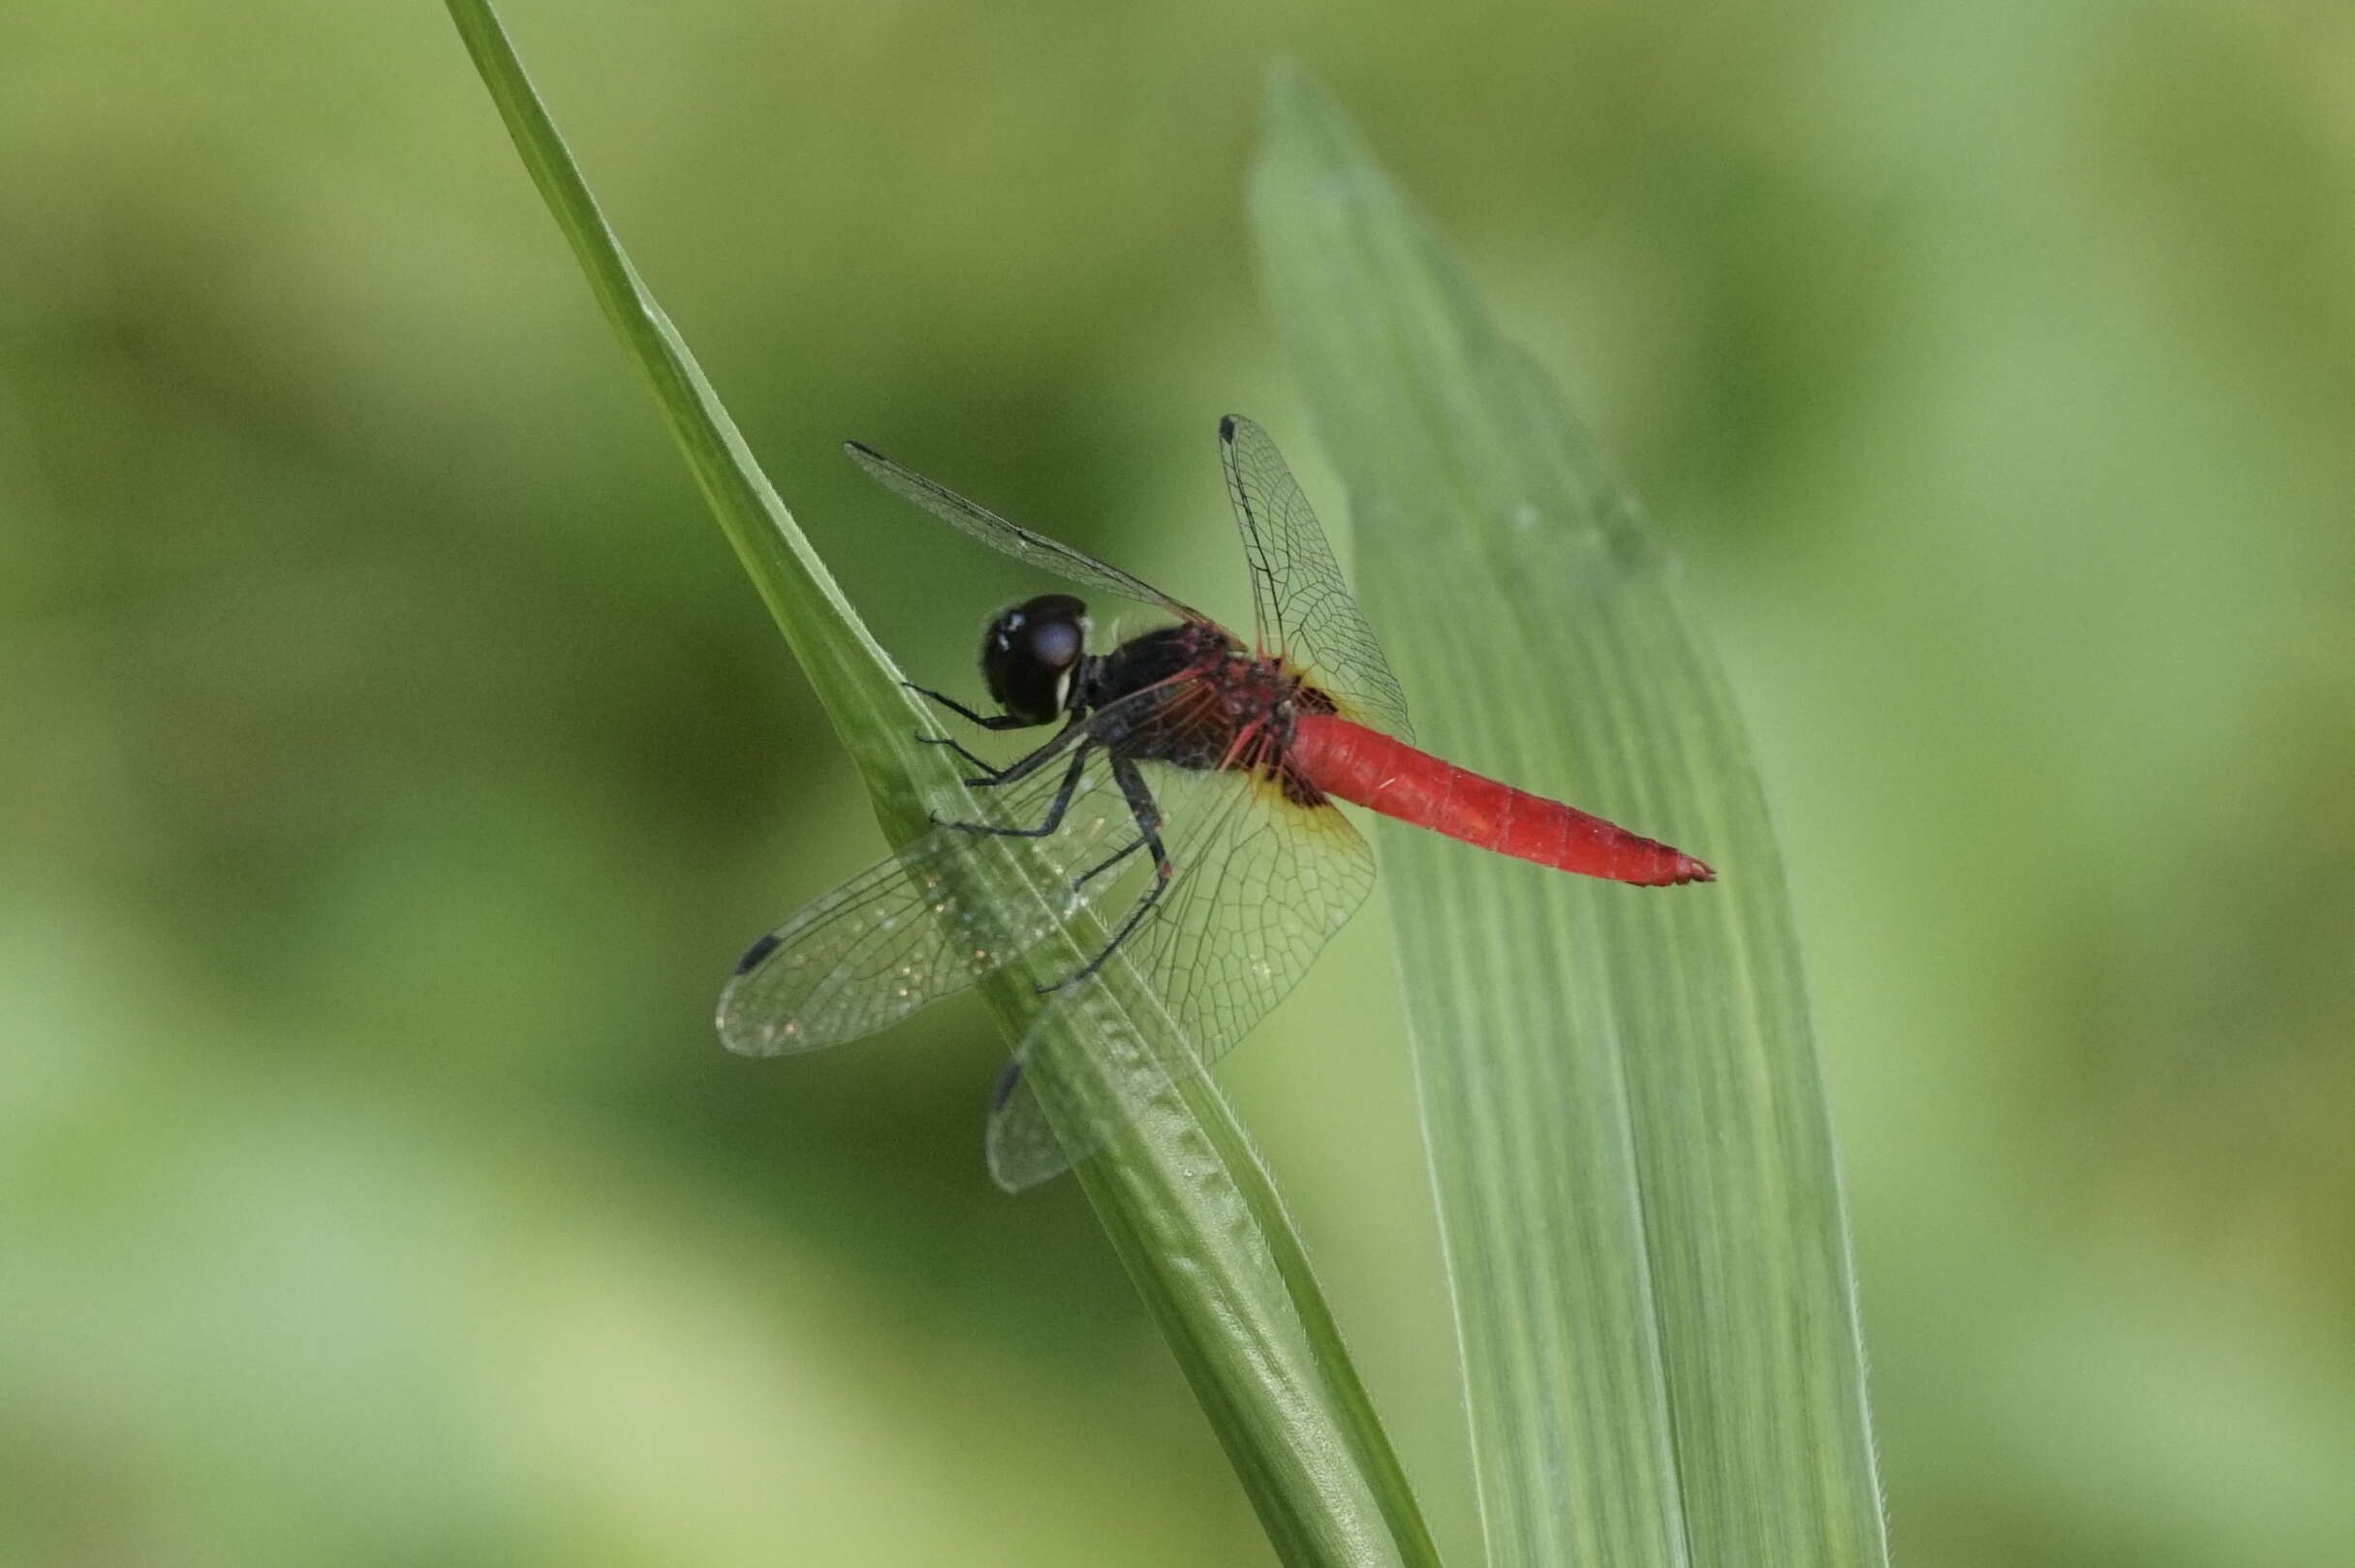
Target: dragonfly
x=1185, y=799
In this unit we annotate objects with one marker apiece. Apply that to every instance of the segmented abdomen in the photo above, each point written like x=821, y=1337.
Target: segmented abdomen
x=1373, y=770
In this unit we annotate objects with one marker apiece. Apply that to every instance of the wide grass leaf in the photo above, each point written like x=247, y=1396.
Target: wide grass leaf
x=1185, y=1200
x=1625, y=1127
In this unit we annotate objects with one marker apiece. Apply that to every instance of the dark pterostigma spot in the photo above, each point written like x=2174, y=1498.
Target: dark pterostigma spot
x=1008, y=1077
x=760, y=950
x=1227, y=427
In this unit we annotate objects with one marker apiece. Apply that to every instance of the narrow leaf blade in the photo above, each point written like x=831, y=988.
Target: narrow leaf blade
x=1626, y=1132
x=1187, y=1205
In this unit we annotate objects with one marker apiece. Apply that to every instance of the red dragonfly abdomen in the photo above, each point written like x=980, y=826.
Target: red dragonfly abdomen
x=1368, y=768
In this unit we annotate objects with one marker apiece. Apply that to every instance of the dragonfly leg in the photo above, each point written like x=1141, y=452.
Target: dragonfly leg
x=1086, y=877
x=1147, y=815
x=990, y=770
x=988, y=721
x=1063, y=795
x=1073, y=733
x=1076, y=731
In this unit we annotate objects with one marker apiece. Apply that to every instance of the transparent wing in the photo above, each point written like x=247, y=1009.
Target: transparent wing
x=1000, y=534
x=894, y=938
x=1305, y=611
x=1263, y=882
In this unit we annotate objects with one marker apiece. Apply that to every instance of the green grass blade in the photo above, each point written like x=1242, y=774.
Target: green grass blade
x=1187, y=1204
x=853, y=676
x=1627, y=1134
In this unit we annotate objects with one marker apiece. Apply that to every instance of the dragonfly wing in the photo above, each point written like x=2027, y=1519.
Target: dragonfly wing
x=1263, y=882
x=1002, y=534
x=897, y=936
x=1305, y=611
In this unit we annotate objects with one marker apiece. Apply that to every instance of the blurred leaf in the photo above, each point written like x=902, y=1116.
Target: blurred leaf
x=1190, y=1211
x=1620, y=1095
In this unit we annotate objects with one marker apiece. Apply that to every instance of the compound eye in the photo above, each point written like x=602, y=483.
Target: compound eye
x=1055, y=644
x=1029, y=653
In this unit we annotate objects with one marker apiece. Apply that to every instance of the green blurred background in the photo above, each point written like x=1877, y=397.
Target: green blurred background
x=395, y=758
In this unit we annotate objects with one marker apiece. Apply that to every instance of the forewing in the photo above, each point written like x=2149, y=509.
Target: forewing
x=1000, y=534
x=1262, y=883
x=1304, y=609
x=897, y=937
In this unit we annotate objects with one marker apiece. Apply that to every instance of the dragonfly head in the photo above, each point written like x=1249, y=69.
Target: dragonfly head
x=1029, y=652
